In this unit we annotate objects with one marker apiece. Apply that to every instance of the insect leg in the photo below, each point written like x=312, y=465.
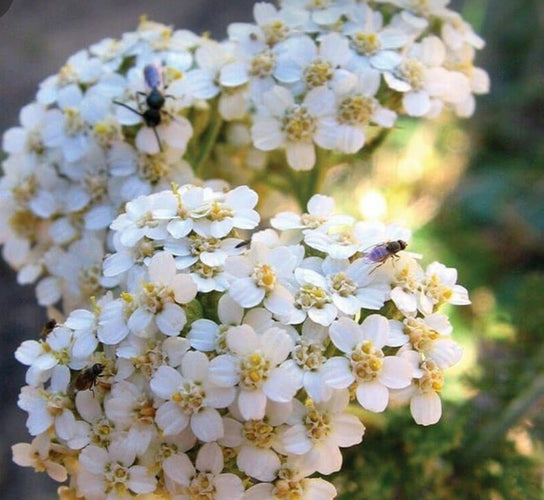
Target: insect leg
x=128, y=107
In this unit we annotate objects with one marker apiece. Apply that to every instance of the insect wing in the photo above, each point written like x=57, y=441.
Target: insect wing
x=152, y=76
x=378, y=253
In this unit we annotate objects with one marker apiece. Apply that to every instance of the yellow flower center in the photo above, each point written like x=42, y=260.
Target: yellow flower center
x=318, y=425
x=89, y=281
x=356, y=110
x=299, y=124
x=200, y=488
x=264, y=277
x=189, y=397
x=366, y=361
x=433, y=378
x=154, y=297
x=310, y=296
x=153, y=168
x=421, y=336
x=96, y=184
x=200, y=244
x=106, y=132
x=366, y=44
x=342, y=285
x=275, y=32
x=218, y=211
x=413, y=72
x=437, y=291
x=317, y=73
x=263, y=64
x=309, y=356
x=259, y=433
x=73, y=122
x=312, y=221
x=254, y=370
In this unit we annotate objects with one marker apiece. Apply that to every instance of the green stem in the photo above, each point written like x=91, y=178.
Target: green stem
x=208, y=143
x=495, y=432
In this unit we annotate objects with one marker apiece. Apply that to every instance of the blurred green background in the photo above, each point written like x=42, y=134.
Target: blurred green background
x=472, y=190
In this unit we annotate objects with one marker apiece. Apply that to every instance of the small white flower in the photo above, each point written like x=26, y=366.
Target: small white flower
x=111, y=473
x=130, y=407
x=319, y=215
x=47, y=408
x=426, y=85
x=191, y=398
x=39, y=455
x=308, y=358
x=257, y=440
x=138, y=222
x=255, y=366
x=406, y=285
x=374, y=43
x=316, y=432
x=235, y=209
x=282, y=123
x=430, y=336
x=423, y=393
x=26, y=138
x=305, y=65
x=161, y=298
x=260, y=277
x=365, y=363
x=440, y=287
x=357, y=109
x=313, y=298
x=44, y=356
x=292, y=480
x=205, y=477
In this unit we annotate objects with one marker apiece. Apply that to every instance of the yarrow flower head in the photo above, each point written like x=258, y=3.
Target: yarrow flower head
x=171, y=387
x=198, y=354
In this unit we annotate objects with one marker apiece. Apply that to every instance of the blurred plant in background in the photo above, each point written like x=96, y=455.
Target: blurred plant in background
x=396, y=178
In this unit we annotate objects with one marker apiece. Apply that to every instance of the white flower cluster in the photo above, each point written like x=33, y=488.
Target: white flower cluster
x=332, y=73
x=226, y=366
x=127, y=117
x=79, y=155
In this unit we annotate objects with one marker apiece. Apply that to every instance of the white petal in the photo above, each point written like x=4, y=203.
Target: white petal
x=252, y=404
x=171, y=419
x=171, y=319
x=300, y=155
x=345, y=334
x=261, y=464
x=337, y=373
x=416, y=103
x=373, y=396
x=207, y=425
x=426, y=408
x=246, y=293
x=281, y=386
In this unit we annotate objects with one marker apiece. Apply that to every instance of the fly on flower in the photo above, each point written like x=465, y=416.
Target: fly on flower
x=383, y=251
x=47, y=328
x=88, y=377
x=154, y=100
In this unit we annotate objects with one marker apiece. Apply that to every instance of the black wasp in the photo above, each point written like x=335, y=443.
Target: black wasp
x=88, y=377
x=383, y=251
x=154, y=100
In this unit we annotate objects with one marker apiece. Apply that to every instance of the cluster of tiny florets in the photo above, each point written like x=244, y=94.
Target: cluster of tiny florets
x=223, y=367
x=304, y=75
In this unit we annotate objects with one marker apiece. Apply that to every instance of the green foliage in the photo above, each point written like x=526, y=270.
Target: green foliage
x=405, y=462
